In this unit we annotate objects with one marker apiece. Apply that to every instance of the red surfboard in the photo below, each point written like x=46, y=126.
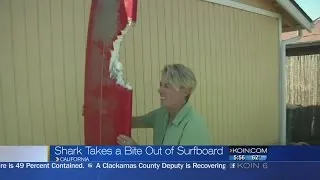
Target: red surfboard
x=107, y=106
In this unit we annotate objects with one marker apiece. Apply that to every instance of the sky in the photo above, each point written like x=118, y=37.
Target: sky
x=311, y=7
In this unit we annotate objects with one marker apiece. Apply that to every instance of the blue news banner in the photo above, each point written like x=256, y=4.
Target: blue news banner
x=170, y=162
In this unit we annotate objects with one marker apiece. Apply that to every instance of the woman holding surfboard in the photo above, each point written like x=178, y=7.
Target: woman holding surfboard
x=175, y=122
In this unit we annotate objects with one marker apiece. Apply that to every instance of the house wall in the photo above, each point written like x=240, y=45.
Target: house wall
x=234, y=54
x=288, y=22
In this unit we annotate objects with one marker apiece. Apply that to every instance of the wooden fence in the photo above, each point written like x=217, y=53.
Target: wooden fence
x=303, y=99
x=303, y=124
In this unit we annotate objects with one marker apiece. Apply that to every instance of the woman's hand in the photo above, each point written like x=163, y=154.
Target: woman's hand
x=125, y=140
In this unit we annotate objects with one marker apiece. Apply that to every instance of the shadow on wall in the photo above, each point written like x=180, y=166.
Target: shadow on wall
x=303, y=125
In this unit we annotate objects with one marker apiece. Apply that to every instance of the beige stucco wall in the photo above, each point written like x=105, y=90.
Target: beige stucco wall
x=233, y=53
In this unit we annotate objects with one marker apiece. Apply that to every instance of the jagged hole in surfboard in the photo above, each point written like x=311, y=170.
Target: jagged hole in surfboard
x=109, y=13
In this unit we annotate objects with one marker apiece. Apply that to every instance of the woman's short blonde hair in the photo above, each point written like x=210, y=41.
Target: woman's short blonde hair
x=180, y=76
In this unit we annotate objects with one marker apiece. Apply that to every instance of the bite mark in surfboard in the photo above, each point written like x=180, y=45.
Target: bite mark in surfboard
x=115, y=67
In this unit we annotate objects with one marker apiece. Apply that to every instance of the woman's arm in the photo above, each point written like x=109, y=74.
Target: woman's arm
x=139, y=122
x=147, y=120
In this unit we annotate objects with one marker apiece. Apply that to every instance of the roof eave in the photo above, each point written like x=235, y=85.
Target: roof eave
x=303, y=44
x=297, y=13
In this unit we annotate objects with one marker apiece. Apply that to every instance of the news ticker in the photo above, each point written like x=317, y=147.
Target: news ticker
x=159, y=170
x=154, y=153
x=135, y=165
x=158, y=153
x=130, y=153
